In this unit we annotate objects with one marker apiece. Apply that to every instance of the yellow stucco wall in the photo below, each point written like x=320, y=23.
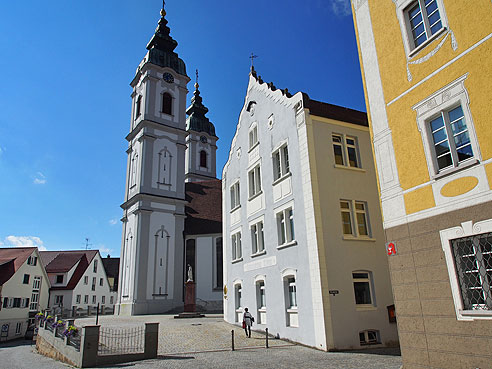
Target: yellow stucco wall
x=420, y=199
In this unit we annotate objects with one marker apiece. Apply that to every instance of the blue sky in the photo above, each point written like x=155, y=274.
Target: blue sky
x=65, y=95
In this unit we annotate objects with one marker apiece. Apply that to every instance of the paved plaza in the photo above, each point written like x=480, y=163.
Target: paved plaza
x=206, y=343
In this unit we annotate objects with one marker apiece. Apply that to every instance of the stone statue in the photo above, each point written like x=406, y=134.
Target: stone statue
x=190, y=274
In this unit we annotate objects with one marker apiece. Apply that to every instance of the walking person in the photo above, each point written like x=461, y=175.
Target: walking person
x=247, y=322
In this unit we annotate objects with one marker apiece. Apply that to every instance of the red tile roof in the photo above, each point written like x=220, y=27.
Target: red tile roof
x=11, y=259
x=204, y=211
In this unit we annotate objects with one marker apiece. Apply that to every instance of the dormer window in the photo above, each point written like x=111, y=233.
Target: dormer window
x=59, y=279
x=167, y=103
x=203, y=159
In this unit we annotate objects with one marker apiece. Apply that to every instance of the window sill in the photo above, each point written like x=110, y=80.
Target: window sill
x=292, y=310
x=263, y=252
x=262, y=310
x=253, y=147
x=352, y=238
x=234, y=209
x=450, y=171
x=427, y=42
x=255, y=195
x=280, y=179
x=236, y=260
x=288, y=244
x=365, y=308
x=476, y=314
x=355, y=169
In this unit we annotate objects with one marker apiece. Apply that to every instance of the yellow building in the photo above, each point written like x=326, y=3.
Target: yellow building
x=427, y=71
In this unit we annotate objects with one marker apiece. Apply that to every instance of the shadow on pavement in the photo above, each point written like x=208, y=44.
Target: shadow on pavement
x=17, y=342
x=159, y=357
x=393, y=351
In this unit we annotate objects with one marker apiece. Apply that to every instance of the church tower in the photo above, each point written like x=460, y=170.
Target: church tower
x=200, y=142
x=151, y=268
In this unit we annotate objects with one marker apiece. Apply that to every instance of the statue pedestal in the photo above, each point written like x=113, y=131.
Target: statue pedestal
x=190, y=304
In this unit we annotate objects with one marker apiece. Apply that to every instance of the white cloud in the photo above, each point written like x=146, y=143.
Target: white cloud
x=25, y=241
x=104, y=250
x=1, y=150
x=40, y=178
x=341, y=7
x=113, y=221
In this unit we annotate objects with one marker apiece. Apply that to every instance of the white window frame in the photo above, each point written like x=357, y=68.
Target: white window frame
x=370, y=281
x=257, y=237
x=465, y=230
x=344, y=147
x=368, y=341
x=78, y=299
x=59, y=300
x=236, y=248
x=253, y=136
x=235, y=195
x=402, y=8
x=86, y=299
x=18, y=328
x=103, y=300
x=284, y=219
x=280, y=163
x=254, y=181
x=445, y=99
x=94, y=299
x=95, y=266
x=86, y=279
x=353, y=211
x=291, y=311
x=111, y=300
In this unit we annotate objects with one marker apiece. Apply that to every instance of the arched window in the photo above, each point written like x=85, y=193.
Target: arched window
x=167, y=103
x=203, y=159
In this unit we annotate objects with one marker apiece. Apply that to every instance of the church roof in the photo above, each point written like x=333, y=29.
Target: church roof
x=161, y=47
x=204, y=211
x=197, y=121
x=11, y=259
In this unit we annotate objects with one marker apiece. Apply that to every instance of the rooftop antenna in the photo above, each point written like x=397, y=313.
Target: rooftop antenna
x=87, y=244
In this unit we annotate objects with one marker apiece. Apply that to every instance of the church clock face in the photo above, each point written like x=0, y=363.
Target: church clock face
x=168, y=77
x=203, y=139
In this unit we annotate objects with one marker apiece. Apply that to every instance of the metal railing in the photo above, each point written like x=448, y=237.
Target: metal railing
x=114, y=341
x=74, y=341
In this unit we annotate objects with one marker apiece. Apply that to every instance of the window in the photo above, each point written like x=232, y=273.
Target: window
x=5, y=302
x=280, y=163
x=355, y=220
x=77, y=300
x=32, y=260
x=59, y=300
x=291, y=282
x=59, y=278
x=94, y=299
x=285, y=226
x=369, y=337
x=257, y=238
x=26, y=279
x=94, y=283
x=111, y=300
x=362, y=288
x=253, y=136
x=235, y=197
x=103, y=300
x=261, y=295
x=86, y=279
x=95, y=266
x=423, y=20
x=345, y=150
x=36, y=286
x=254, y=181
x=86, y=299
x=25, y=302
x=450, y=139
x=203, y=159
x=101, y=281
x=138, y=106
x=167, y=103
x=219, y=263
x=18, y=328
x=237, y=294
x=236, y=246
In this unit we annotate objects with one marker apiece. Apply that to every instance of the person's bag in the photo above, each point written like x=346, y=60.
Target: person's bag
x=252, y=319
x=244, y=324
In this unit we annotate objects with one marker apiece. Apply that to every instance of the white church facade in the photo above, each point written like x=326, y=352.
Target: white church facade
x=165, y=150
x=303, y=239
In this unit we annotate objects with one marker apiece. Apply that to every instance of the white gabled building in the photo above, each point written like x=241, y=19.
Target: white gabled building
x=78, y=280
x=303, y=239
x=24, y=290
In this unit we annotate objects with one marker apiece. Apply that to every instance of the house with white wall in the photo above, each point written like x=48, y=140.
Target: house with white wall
x=304, y=246
x=24, y=290
x=78, y=279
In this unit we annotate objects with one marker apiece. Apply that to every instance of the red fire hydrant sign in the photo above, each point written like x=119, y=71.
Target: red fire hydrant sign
x=391, y=248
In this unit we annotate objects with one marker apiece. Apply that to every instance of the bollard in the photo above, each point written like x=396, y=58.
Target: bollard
x=266, y=337
x=232, y=339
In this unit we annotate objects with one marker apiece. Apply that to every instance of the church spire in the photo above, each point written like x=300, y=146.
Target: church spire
x=162, y=45
x=197, y=121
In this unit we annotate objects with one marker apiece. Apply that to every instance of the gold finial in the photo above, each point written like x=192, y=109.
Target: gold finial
x=196, y=82
x=163, y=12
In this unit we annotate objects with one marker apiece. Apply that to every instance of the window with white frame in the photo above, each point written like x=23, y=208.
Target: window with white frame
x=103, y=300
x=235, y=196
x=257, y=238
x=86, y=279
x=95, y=266
x=77, y=300
x=362, y=281
x=94, y=279
x=59, y=279
x=59, y=300
x=237, y=295
x=285, y=226
x=111, y=300
x=236, y=246
x=345, y=150
x=86, y=299
x=292, y=292
x=32, y=260
x=260, y=286
x=423, y=21
x=355, y=219
x=369, y=337
x=101, y=281
x=18, y=328
x=450, y=139
x=36, y=287
x=280, y=159
x=94, y=299
x=253, y=136
x=254, y=178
